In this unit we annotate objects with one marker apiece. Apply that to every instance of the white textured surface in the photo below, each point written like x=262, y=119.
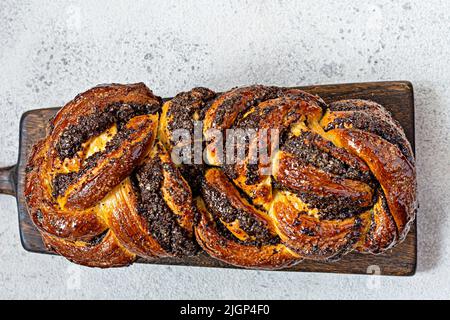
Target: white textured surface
x=50, y=51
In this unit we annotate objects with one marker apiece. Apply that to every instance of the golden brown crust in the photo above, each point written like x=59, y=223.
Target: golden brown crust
x=105, y=254
x=128, y=225
x=93, y=185
x=46, y=214
x=103, y=188
x=302, y=178
x=309, y=236
x=390, y=167
x=328, y=193
x=268, y=256
x=78, y=186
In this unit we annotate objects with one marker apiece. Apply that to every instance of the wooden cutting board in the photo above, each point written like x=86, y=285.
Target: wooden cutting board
x=396, y=96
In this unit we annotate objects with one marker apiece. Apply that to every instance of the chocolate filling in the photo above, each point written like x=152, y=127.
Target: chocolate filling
x=98, y=238
x=254, y=120
x=70, y=141
x=332, y=207
x=228, y=106
x=366, y=116
x=181, y=112
x=62, y=181
x=304, y=149
x=252, y=174
x=161, y=220
x=184, y=105
x=193, y=174
x=220, y=207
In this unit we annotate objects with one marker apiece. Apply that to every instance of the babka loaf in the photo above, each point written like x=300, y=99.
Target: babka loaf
x=258, y=177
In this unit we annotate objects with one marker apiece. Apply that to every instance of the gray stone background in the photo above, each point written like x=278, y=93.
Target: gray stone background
x=52, y=50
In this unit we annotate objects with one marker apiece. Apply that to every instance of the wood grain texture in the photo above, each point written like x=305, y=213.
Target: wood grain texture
x=397, y=97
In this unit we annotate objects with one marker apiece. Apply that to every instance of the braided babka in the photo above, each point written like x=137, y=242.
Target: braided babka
x=104, y=187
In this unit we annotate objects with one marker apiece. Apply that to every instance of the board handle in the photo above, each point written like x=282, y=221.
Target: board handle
x=8, y=180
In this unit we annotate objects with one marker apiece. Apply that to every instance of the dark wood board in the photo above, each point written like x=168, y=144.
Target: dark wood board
x=396, y=96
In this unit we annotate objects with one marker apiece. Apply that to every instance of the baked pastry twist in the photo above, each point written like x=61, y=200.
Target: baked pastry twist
x=104, y=188
x=101, y=189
